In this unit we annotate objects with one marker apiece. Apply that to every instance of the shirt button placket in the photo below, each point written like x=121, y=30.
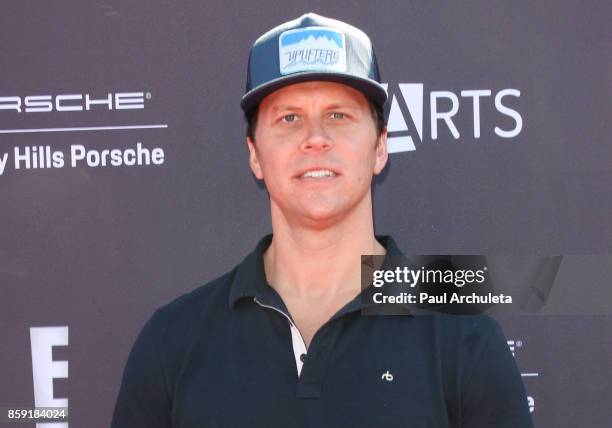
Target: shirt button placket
x=313, y=370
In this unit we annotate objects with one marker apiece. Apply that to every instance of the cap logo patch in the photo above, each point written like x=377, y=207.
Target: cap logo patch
x=312, y=49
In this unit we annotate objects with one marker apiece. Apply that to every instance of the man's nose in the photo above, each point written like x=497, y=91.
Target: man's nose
x=316, y=138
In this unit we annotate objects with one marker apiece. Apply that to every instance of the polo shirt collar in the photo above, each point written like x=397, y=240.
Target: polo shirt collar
x=250, y=278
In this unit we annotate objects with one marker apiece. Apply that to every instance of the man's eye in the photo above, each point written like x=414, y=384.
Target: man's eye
x=337, y=115
x=289, y=118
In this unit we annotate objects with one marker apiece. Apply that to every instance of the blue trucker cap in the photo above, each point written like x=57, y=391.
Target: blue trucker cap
x=312, y=47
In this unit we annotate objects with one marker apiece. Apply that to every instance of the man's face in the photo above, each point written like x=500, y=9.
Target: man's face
x=316, y=148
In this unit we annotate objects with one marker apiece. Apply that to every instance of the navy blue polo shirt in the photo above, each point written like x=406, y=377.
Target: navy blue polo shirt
x=228, y=355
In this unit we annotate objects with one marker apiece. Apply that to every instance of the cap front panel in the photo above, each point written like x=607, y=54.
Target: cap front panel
x=312, y=49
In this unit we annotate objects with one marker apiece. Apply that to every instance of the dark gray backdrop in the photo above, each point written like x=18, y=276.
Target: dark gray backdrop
x=97, y=249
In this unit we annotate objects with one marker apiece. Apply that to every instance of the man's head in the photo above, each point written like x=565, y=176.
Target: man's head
x=315, y=126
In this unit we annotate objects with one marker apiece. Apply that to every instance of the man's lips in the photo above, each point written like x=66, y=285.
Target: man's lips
x=317, y=173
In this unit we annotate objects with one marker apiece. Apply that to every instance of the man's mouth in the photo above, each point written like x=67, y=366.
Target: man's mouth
x=318, y=174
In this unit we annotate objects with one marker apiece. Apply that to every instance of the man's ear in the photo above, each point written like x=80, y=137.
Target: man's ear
x=253, y=159
x=381, y=152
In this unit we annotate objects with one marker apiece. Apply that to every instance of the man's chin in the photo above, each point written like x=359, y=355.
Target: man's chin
x=317, y=213
x=320, y=218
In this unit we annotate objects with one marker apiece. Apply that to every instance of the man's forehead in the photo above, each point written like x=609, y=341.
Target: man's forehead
x=330, y=94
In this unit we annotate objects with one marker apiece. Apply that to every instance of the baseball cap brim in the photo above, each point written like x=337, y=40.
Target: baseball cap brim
x=370, y=88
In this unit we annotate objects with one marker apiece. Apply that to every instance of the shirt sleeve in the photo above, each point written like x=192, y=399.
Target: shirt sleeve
x=143, y=399
x=494, y=396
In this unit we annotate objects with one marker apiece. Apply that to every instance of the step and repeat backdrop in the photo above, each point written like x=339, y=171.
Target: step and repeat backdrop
x=124, y=180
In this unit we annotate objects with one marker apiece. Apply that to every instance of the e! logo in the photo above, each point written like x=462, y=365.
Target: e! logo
x=44, y=369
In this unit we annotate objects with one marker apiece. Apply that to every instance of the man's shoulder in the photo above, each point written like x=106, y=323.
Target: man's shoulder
x=464, y=337
x=211, y=298
x=470, y=328
x=209, y=302
x=470, y=342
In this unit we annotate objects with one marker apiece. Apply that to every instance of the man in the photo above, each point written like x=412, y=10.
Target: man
x=280, y=341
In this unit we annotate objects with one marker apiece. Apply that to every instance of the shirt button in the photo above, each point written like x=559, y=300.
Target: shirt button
x=302, y=357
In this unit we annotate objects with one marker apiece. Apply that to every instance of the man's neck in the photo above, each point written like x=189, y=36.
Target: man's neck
x=313, y=263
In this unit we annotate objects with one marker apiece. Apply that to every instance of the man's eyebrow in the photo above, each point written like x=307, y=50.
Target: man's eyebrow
x=347, y=104
x=283, y=107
